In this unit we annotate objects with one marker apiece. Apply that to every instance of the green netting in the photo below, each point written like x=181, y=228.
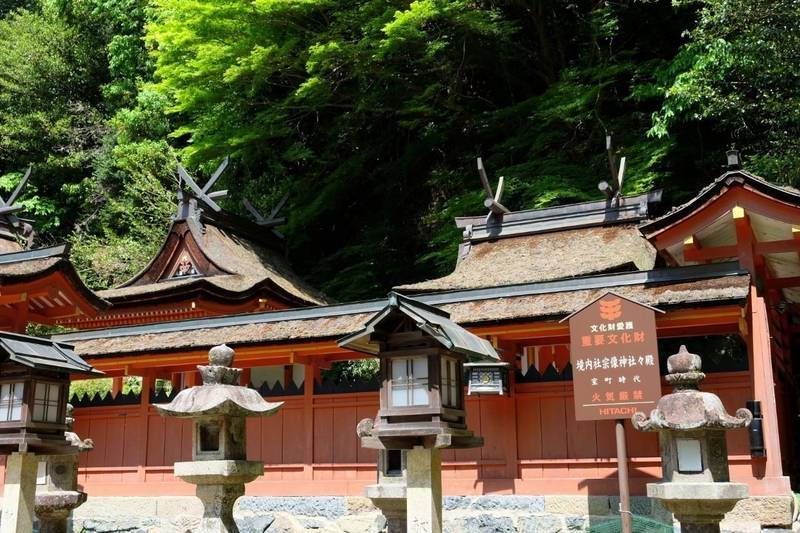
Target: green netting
x=641, y=524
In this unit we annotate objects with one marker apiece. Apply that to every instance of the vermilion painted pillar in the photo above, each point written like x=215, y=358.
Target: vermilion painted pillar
x=764, y=390
x=144, y=410
x=308, y=418
x=244, y=380
x=116, y=386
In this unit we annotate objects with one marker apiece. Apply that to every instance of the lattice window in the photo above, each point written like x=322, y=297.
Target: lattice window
x=409, y=381
x=46, y=402
x=11, y=401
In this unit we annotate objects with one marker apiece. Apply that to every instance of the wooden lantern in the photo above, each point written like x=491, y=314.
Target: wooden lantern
x=34, y=388
x=422, y=354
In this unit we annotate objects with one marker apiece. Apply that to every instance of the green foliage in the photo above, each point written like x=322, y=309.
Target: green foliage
x=350, y=372
x=48, y=110
x=371, y=113
x=102, y=386
x=130, y=194
x=739, y=74
x=376, y=110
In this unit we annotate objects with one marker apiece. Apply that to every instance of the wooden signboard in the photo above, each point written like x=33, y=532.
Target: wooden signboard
x=614, y=356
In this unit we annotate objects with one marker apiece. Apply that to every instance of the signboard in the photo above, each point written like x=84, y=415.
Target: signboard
x=614, y=356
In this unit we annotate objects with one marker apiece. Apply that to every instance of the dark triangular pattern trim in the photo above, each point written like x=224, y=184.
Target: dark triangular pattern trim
x=292, y=389
x=96, y=400
x=532, y=376
x=277, y=390
x=551, y=373
x=161, y=396
x=566, y=374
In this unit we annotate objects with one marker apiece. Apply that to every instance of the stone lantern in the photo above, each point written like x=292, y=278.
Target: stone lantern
x=422, y=354
x=691, y=427
x=57, y=493
x=219, y=465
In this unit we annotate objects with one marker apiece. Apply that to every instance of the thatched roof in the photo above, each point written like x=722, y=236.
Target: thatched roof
x=27, y=266
x=234, y=263
x=333, y=322
x=9, y=245
x=27, y=269
x=545, y=256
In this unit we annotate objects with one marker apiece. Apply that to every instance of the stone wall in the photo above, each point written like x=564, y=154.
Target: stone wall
x=462, y=514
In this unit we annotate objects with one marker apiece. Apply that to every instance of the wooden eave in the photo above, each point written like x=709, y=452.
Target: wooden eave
x=47, y=284
x=712, y=286
x=193, y=302
x=712, y=318
x=739, y=216
x=735, y=188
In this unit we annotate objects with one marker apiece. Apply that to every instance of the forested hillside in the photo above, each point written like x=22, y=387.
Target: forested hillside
x=370, y=114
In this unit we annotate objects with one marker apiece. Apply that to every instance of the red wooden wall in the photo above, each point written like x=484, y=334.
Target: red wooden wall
x=533, y=445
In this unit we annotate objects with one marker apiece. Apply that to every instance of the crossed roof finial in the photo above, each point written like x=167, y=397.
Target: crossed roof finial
x=492, y=201
x=614, y=189
x=203, y=194
x=9, y=209
x=272, y=220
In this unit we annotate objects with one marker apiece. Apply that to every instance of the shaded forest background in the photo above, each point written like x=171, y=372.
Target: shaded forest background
x=370, y=114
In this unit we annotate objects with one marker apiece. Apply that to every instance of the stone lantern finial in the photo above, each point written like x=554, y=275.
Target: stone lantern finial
x=685, y=370
x=219, y=370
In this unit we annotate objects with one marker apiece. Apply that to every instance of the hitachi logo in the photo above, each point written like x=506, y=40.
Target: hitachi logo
x=617, y=411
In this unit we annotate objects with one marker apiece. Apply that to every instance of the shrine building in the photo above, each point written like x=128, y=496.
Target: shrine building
x=723, y=267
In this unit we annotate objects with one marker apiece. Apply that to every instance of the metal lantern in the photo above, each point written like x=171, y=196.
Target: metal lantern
x=488, y=377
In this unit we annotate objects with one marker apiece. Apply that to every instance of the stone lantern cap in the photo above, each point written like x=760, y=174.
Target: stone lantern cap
x=688, y=408
x=219, y=394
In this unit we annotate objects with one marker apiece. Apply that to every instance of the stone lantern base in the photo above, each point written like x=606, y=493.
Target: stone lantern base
x=54, y=507
x=390, y=498
x=699, y=507
x=219, y=485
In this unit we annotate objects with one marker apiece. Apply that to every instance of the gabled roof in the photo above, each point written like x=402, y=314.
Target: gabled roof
x=430, y=320
x=552, y=243
x=43, y=354
x=28, y=266
x=737, y=216
x=240, y=261
x=716, y=188
x=544, y=257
